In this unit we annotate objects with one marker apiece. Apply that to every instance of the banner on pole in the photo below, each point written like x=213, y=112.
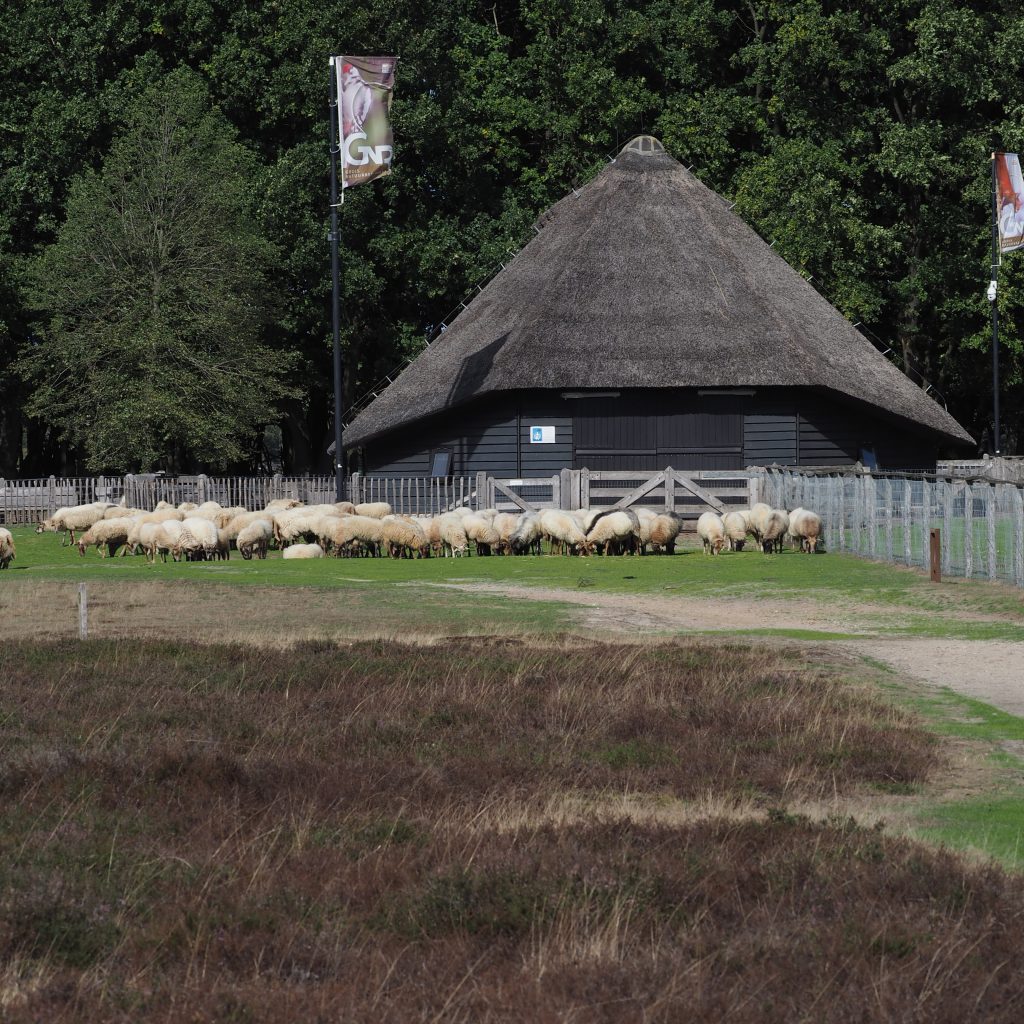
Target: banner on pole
x=365, y=85
x=1009, y=201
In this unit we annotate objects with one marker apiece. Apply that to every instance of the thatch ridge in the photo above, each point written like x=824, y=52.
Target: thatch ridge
x=646, y=278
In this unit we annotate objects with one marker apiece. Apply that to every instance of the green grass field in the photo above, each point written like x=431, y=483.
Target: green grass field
x=877, y=598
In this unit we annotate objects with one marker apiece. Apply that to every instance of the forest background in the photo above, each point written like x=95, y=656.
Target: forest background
x=164, y=263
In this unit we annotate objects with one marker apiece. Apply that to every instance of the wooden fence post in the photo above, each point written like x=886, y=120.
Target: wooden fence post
x=565, y=490
x=991, y=498
x=585, y=487
x=83, y=612
x=935, y=555
x=968, y=541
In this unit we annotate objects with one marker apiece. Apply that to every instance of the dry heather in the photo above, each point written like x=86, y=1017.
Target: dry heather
x=364, y=832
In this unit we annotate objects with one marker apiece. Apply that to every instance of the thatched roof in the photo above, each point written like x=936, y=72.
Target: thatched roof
x=646, y=279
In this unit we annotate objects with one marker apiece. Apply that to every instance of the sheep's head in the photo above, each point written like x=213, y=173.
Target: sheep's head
x=82, y=545
x=717, y=544
x=46, y=526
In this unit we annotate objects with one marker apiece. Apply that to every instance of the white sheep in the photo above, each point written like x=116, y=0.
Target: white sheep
x=757, y=518
x=303, y=551
x=163, y=539
x=404, y=538
x=480, y=530
x=735, y=525
x=773, y=529
x=197, y=540
x=7, y=550
x=225, y=515
x=353, y=535
x=711, y=532
x=281, y=505
x=453, y=534
x=74, y=517
x=373, y=509
x=563, y=532
x=107, y=535
x=253, y=539
x=662, y=532
x=506, y=523
x=805, y=529
x=614, y=532
x=526, y=537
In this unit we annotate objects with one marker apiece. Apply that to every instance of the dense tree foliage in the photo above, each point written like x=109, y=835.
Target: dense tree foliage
x=854, y=135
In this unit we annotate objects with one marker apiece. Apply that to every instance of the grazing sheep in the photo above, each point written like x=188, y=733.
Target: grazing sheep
x=505, y=523
x=614, y=532
x=432, y=528
x=303, y=551
x=663, y=531
x=240, y=522
x=197, y=540
x=805, y=529
x=164, y=539
x=563, y=532
x=207, y=510
x=526, y=537
x=711, y=532
x=735, y=525
x=773, y=529
x=353, y=535
x=757, y=518
x=7, y=551
x=186, y=506
x=453, y=534
x=403, y=538
x=75, y=517
x=480, y=530
x=107, y=535
x=223, y=547
x=373, y=509
x=253, y=539
x=345, y=506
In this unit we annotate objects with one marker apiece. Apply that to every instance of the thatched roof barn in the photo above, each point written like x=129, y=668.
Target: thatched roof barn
x=648, y=324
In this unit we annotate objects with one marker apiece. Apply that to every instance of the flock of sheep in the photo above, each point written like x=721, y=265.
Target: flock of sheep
x=768, y=526
x=208, y=531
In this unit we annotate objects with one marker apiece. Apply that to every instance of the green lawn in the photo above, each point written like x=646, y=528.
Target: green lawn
x=883, y=599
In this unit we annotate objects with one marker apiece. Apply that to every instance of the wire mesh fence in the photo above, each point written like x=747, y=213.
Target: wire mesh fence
x=890, y=517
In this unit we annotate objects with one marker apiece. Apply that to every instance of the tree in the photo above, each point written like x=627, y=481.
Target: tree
x=155, y=295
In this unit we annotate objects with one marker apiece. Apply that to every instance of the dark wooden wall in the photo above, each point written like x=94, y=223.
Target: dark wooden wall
x=648, y=430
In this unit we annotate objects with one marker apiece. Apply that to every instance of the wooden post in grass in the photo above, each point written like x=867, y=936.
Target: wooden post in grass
x=83, y=612
x=935, y=555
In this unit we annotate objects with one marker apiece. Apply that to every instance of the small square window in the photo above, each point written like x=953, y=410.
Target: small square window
x=441, y=464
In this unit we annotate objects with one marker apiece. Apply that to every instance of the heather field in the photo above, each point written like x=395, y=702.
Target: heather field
x=555, y=789
x=477, y=830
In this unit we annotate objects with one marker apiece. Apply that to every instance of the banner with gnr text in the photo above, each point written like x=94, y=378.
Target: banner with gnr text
x=365, y=85
x=1009, y=201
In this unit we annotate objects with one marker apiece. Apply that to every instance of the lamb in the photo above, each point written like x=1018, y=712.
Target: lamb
x=7, y=550
x=480, y=530
x=253, y=539
x=107, y=534
x=614, y=532
x=240, y=522
x=564, y=532
x=735, y=524
x=403, y=538
x=711, y=532
x=223, y=547
x=453, y=534
x=76, y=517
x=373, y=509
x=805, y=529
x=303, y=551
x=527, y=535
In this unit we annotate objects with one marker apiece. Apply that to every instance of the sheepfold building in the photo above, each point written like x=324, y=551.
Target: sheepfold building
x=647, y=325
